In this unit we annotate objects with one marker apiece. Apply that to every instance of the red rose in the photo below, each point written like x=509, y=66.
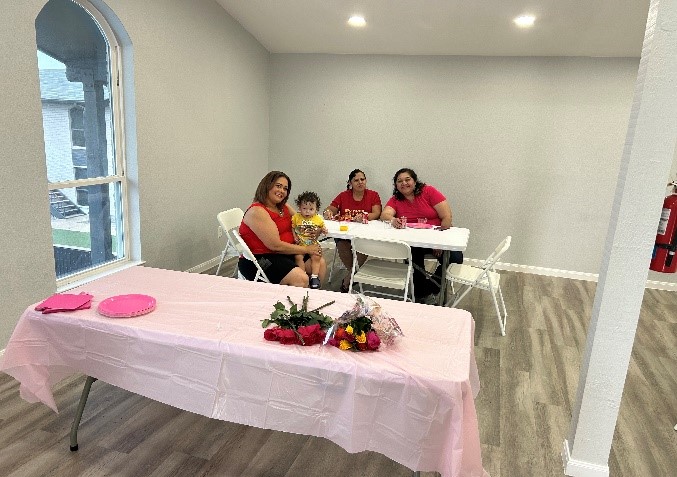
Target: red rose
x=311, y=334
x=270, y=334
x=333, y=342
x=373, y=341
x=362, y=346
x=287, y=336
x=341, y=334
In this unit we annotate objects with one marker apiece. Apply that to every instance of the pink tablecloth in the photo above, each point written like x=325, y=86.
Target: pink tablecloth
x=202, y=350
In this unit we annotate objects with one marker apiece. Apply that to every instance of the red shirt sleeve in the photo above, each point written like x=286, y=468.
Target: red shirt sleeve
x=433, y=196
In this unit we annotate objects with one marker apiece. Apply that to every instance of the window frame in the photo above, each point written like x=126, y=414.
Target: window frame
x=119, y=153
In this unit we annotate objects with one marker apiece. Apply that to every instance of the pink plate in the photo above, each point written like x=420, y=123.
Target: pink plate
x=126, y=306
x=416, y=225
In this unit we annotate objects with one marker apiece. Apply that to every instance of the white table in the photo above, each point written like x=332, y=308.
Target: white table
x=203, y=350
x=454, y=239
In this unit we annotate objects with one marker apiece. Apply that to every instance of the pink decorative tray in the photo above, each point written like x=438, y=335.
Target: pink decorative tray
x=416, y=225
x=126, y=306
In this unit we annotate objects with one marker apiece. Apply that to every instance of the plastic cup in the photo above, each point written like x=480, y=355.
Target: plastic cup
x=422, y=220
x=403, y=222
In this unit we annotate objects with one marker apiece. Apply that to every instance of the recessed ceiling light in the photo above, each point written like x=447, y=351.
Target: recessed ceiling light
x=357, y=21
x=525, y=21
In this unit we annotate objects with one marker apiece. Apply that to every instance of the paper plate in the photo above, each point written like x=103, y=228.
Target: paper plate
x=416, y=225
x=126, y=306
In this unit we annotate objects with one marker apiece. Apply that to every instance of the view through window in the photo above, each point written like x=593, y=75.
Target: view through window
x=84, y=169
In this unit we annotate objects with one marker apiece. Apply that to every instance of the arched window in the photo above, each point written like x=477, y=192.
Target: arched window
x=84, y=145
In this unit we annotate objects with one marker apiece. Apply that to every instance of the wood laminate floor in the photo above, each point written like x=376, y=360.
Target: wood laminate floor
x=529, y=381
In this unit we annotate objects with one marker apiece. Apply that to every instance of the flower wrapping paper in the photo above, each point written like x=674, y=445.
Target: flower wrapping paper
x=383, y=324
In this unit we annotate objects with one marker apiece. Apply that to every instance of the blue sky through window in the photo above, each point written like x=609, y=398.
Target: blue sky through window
x=46, y=62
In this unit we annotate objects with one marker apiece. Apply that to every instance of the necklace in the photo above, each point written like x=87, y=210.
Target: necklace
x=275, y=209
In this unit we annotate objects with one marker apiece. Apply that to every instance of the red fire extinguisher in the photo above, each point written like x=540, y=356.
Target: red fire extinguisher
x=663, y=258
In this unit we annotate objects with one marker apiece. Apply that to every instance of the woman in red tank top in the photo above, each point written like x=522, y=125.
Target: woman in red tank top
x=352, y=204
x=266, y=229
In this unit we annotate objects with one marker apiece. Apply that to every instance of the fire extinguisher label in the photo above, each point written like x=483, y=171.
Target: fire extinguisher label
x=663, y=223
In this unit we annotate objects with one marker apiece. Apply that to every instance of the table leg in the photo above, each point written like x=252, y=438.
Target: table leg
x=443, y=281
x=78, y=413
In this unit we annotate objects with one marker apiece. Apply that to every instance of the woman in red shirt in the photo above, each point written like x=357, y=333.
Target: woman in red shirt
x=353, y=204
x=414, y=199
x=267, y=231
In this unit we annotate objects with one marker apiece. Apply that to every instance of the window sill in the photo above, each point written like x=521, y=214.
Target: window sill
x=94, y=276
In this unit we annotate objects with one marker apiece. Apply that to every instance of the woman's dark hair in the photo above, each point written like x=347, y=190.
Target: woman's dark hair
x=308, y=197
x=267, y=183
x=352, y=175
x=418, y=188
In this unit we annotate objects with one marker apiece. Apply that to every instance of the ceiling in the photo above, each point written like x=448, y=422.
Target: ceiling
x=612, y=28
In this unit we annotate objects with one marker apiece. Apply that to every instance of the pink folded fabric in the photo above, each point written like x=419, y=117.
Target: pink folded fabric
x=65, y=302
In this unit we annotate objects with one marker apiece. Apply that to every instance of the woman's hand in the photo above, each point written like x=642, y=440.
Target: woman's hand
x=396, y=223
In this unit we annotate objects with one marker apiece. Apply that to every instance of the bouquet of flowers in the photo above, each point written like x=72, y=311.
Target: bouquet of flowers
x=297, y=326
x=364, y=327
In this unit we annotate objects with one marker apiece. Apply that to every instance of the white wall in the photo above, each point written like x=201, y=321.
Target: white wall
x=529, y=147
x=201, y=84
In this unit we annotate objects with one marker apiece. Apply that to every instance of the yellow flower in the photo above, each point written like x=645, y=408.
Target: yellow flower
x=344, y=345
x=349, y=329
x=361, y=338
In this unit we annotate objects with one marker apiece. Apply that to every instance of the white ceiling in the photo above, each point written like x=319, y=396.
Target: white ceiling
x=446, y=27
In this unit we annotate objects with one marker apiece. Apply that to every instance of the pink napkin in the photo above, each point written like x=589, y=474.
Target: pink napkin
x=65, y=302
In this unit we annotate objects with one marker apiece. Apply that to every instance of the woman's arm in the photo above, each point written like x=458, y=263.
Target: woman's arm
x=330, y=212
x=444, y=213
x=388, y=215
x=375, y=212
x=263, y=226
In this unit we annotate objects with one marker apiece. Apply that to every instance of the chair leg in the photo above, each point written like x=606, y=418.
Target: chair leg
x=461, y=296
x=223, y=256
x=505, y=311
x=501, y=320
x=333, y=262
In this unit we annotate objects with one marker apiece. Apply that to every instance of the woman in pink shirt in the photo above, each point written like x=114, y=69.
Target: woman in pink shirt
x=353, y=204
x=415, y=200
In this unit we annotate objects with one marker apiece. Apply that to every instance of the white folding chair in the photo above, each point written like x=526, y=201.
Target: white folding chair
x=329, y=244
x=484, y=278
x=243, y=248
x=228, y=220
x=388, y=265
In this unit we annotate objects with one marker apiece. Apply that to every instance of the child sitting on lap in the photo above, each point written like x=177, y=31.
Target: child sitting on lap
x=307, y=226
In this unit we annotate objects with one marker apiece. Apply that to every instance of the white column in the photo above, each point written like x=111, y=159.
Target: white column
x=645, y=166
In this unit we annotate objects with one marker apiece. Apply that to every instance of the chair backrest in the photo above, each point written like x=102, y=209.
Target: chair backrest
x=230, y=219
x=382, y=248
x=496, y=254
x=244, y=250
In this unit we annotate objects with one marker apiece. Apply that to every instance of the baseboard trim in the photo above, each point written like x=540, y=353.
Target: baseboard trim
x=508, y=267
x=578, y=468
x=550, y=272
x=553, y=272
x=211, y=263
